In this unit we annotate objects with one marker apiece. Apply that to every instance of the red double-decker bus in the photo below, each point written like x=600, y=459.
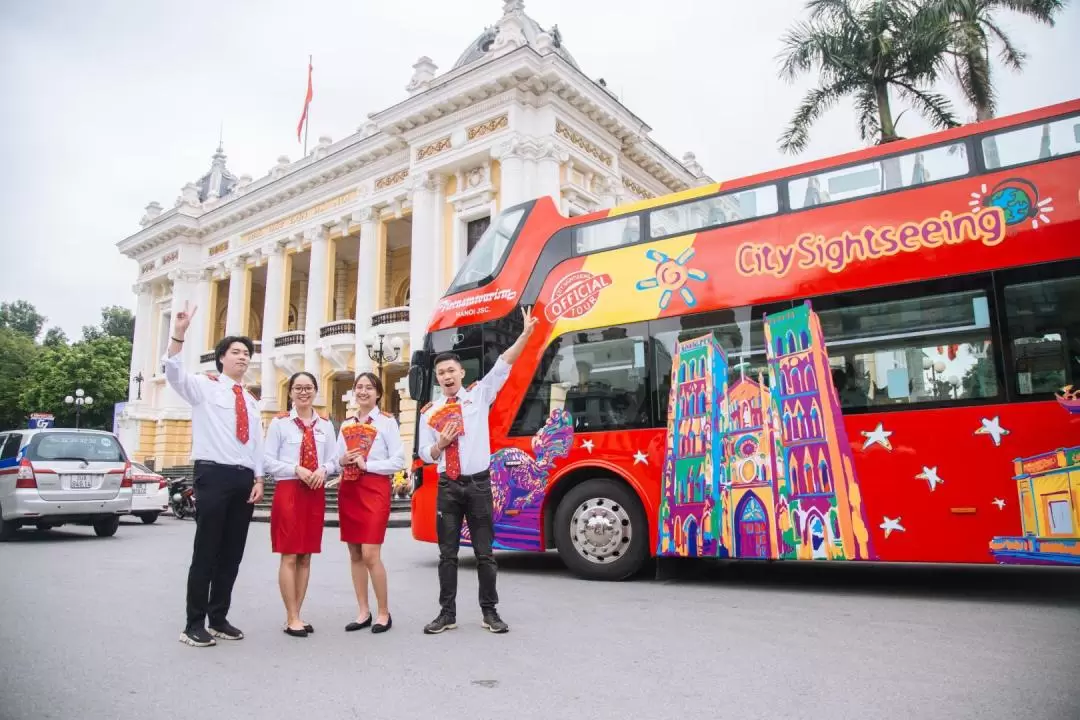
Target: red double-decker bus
x=870, y=357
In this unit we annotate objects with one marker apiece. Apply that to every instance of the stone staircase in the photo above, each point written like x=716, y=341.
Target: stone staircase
x=399, y=507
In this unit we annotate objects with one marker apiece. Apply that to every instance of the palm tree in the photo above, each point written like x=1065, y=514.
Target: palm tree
x=972, y=29
x=866, y=48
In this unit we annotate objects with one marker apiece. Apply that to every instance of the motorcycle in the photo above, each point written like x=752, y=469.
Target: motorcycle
x=182, y=498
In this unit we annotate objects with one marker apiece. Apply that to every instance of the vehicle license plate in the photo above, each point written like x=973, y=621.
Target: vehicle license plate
x=140, y=488
x=82, y=482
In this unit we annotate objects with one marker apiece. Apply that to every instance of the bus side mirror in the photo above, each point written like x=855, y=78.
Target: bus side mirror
x=416, y=374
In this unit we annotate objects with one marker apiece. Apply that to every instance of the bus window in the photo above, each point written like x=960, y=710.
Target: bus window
x=485, y=259
x=607, y=234
x=599, y=376
x=911, y=346
x=739, y=332
x=1035, y=142
x=917, y=168
x=713, y=211
x=1044, y=326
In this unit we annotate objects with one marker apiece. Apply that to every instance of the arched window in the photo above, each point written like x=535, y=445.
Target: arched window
x=796, y=383
x=808, y=476
x=704, y=402
x=826, y=476
x=682, y=372
x=815, y=425
x=791, y=342
x=779, y=346
x=805, y=338
x=811, y=382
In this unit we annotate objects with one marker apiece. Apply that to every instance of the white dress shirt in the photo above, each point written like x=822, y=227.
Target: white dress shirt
x=283, y=442
x=213, y=417
x=474, y=447
x=387, y=453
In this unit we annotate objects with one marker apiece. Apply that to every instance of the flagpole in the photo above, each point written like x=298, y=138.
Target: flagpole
x=307, y=124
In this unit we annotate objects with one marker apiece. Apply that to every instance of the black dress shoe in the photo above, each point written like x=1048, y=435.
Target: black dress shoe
x=380, y=628
x=353, y=626
x=296, y=633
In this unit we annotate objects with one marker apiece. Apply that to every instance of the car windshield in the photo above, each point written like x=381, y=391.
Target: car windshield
x=91, y=447
x=490, y=249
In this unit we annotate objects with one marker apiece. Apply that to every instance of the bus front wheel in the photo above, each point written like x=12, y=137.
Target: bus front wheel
x=600, y=531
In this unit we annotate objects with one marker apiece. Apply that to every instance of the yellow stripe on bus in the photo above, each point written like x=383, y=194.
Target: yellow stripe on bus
x=690, y=194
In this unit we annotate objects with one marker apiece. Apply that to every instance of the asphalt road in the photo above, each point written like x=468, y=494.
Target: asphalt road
x=90, y=629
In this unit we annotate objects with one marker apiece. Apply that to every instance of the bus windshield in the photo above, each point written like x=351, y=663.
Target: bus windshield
x=488, y=254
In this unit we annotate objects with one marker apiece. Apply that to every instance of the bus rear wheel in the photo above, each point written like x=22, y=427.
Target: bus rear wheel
x=601, y=532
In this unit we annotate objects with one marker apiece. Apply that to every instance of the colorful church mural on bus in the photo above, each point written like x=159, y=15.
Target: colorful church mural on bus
x=760, y=472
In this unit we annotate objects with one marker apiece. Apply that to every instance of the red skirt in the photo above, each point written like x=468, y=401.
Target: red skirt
x=296, y=518
x=364, y=509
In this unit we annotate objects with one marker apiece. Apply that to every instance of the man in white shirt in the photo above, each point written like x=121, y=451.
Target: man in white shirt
x=226, y=449
x=464, y=458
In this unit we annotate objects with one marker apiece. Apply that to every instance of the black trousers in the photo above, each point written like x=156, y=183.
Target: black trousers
x=222, y=517
x=467, y=498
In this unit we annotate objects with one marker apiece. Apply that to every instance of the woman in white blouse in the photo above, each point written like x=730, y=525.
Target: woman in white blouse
x=364, y=499
x=299, y=453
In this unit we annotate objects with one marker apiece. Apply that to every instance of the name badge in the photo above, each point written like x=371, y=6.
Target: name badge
x=320, y=435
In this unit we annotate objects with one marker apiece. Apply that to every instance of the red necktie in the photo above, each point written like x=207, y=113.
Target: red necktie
x=309, y=456
x=241, y=415
x=453, y=457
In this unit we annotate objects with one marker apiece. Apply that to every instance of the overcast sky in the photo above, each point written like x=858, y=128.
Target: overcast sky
x=110, y=104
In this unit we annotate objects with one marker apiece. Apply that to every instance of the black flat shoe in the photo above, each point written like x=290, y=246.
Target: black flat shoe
x=309, y=629
x=296, y=633
x=354, y=626
x=380, y=628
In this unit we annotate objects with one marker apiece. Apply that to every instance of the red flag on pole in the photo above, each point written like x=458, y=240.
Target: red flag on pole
x=307, y=102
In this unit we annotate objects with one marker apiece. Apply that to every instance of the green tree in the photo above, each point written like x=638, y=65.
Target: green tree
x=866, y=49
x=118, y=322
x=973, y=28
x=55, y=336
x=22, y=317
x=98, y=366
x=17, y=356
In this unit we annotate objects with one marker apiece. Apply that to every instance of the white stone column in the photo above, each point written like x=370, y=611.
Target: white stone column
x=316, y=298
x=339, y=290
x=142, y=346
x=513, y=187
x=549, y=160
x=273, y=321
x=197, y=342
x=427, y=255
x=367, y=281
x=234, y=315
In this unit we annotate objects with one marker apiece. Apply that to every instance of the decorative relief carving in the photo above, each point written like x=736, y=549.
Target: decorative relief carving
x=433, y=149
x=170, y=257
x=300, y=216
x=219, y=248
x=146, y=267
x=578, y=139
x=388, y=181
x=636, y=189
x=488, y=127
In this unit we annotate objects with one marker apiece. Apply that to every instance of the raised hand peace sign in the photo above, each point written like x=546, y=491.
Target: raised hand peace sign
x=183, y=319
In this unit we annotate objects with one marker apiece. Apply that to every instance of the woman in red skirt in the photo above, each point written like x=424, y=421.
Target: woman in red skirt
x=298, y=451
x=370, y=452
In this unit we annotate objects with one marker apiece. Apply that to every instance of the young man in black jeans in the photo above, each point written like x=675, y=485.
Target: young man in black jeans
x=463, y=455
x=226, y=449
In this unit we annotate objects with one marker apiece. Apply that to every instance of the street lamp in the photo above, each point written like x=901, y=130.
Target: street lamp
x=379, y=353
x=80, y=399
x=138, y=383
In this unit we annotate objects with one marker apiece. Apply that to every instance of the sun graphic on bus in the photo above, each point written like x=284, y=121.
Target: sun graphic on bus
x=1018, y=199
x=672, y=276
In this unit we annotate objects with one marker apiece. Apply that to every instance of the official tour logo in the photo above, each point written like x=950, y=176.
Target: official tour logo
x=575, y=295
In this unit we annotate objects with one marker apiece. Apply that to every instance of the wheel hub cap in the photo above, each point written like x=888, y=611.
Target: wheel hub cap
x=600, y=529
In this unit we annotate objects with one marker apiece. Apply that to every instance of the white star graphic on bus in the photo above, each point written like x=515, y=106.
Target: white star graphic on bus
x=992, y=427
x=999, y=502
x=891, y=524
x=929, y=474
x=640, y=457
x=877, y=436
x=588, y=445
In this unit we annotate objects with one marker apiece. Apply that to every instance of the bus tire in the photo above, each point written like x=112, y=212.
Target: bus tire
x=601, y=531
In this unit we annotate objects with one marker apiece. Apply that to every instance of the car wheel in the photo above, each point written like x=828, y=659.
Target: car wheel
x=7, y=529
x=106, y=527
x=601, y=531
x=149, y=518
